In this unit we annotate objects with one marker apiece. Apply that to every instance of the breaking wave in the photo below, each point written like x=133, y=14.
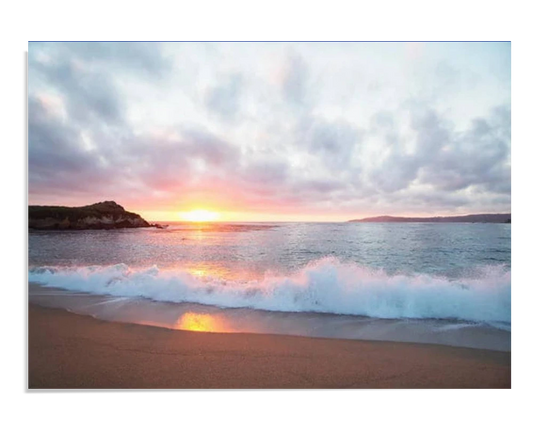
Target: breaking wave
x=324, y=286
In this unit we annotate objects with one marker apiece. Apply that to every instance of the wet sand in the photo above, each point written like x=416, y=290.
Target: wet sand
x=71, y=351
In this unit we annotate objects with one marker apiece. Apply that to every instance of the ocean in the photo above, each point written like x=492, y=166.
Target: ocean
x=442, y=283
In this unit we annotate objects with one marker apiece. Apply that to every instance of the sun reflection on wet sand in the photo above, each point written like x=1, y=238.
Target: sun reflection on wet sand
x=202, y=322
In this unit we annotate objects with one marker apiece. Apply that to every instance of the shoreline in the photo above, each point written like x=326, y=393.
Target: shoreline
x=71, y=351
x=173, y=315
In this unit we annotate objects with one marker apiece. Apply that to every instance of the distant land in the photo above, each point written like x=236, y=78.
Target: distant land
x=472, y=218
x=102, y=215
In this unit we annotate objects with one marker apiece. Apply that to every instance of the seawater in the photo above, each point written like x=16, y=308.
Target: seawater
x=446, y=283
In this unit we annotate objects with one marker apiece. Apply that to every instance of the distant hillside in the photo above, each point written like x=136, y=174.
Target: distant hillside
x=102, y=215
x=472, y=218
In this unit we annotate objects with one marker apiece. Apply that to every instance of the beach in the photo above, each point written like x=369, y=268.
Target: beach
x=70, y=351
x=298, y=215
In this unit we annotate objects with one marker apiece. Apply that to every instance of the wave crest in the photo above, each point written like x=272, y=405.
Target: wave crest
x=324, y=286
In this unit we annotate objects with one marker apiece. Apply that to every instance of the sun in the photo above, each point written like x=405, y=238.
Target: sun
x=200, y=216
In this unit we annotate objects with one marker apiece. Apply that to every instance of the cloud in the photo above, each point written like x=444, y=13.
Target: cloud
x=295, y=80
x=477, y=157
x=223, y=99
x=144, y=58
x=164, y=124
x=87, y=75
x=56, y=152
x=87, y=95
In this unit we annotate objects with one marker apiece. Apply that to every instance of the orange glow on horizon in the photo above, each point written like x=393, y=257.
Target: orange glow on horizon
x=199, y=216
x=162, y=216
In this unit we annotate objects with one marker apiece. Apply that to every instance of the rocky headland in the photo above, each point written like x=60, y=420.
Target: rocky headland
x=102, y=215
x=471, y=218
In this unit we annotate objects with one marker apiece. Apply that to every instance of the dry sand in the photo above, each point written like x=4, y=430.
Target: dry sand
x=71, y=351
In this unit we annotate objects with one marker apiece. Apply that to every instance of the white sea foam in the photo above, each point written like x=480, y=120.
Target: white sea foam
x=325, y=286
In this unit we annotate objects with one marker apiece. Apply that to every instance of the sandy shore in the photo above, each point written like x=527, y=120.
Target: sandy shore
x=72, y=351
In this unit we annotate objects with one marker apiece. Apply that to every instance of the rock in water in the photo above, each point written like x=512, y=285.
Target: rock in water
x=102, y=215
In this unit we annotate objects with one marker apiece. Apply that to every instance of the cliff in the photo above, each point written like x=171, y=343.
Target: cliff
x=472, y=218
x=102, y=215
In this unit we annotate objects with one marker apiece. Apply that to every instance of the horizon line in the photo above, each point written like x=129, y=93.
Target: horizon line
x=329, y=221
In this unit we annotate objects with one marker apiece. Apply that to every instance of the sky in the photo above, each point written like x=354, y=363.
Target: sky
x=271, y=131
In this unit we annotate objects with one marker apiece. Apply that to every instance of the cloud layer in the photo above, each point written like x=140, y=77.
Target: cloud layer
x=267, y=129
